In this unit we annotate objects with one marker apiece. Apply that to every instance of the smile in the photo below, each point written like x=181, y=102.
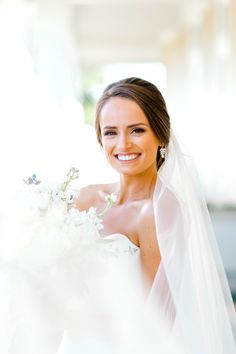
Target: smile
x=127, y=157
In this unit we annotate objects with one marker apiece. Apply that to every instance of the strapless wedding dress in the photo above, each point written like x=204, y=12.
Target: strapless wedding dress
x=98, y=308
x=113, y=313
x=120, y=321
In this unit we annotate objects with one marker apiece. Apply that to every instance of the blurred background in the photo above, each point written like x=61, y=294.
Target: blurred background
x=56, y=57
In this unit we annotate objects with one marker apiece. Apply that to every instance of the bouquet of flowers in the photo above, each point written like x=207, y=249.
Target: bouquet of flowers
x=45, y=226
x=54, y=262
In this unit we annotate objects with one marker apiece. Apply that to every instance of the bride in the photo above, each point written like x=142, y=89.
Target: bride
x=153, y=283
x=131, y=148
x=160, y=226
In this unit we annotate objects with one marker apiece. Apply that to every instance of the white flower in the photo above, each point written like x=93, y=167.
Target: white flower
x=57, y=211
x=71, y=194
x=111, y=198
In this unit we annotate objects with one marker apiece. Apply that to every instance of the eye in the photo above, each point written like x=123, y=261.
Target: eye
x=109, y=133
x=138, y=130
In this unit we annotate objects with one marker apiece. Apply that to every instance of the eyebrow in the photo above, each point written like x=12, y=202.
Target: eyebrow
x=129, y=126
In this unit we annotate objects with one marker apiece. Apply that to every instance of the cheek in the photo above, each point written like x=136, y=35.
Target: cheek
x=152, y=149
x=107, y=147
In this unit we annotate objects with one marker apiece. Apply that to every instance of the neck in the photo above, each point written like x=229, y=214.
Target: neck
x=136, y=187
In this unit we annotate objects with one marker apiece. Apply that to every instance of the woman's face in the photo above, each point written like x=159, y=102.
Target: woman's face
x=128, y=141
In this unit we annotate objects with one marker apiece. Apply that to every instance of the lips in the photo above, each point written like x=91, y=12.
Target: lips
x=127, y=157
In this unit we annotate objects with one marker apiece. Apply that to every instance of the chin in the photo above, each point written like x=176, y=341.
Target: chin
x=128, y=170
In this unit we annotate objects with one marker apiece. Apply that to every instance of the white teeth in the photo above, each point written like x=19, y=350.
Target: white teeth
x=127, y=157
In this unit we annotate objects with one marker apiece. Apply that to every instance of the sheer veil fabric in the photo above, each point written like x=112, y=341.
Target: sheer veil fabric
x=190, y=287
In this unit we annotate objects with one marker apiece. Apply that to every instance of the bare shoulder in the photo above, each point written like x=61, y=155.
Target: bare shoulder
x=86, y=197
x=91, y=195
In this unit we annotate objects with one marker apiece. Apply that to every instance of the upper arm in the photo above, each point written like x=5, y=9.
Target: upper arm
x=149, y=249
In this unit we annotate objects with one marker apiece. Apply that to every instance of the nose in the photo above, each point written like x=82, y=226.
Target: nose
x=124, y=141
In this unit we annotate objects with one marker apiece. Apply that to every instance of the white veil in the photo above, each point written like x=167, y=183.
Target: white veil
x=190, y=284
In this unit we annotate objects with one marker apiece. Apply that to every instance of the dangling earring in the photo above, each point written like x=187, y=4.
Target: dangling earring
x=163, y=152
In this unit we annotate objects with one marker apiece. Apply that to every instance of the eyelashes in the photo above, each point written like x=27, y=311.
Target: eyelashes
x=109, y=133
x=138, y=130
x=135, y=131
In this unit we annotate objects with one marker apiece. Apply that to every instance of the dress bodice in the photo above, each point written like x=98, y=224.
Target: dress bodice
x=124, y=282
x=122, y=245
x=127, y=258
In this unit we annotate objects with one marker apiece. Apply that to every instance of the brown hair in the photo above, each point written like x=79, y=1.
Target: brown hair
x=149, y=99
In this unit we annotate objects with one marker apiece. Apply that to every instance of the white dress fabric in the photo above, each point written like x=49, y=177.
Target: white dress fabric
x=92, y=339
x=90, y=309
x=125, y=323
